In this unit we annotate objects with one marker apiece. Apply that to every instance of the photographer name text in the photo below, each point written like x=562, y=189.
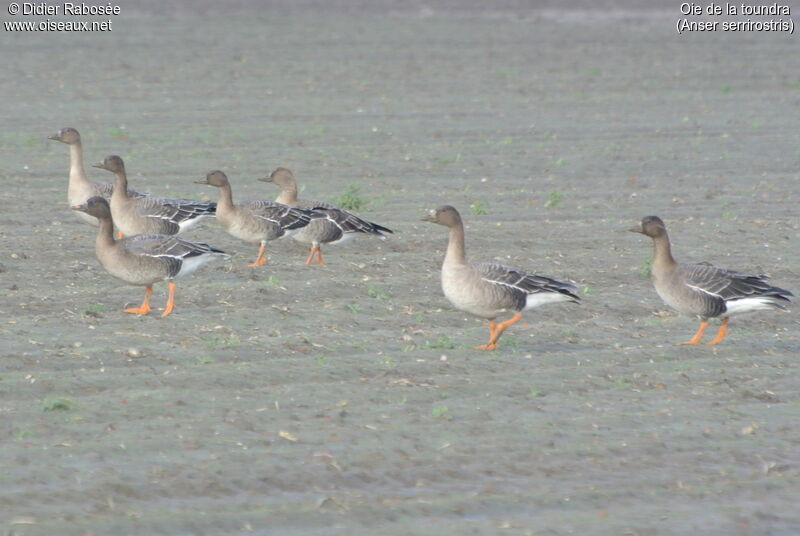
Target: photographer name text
x=65, y=8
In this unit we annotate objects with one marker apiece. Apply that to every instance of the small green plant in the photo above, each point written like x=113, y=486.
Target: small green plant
x=387, y=362
x=534, y=393
x=440, y=412
x=621, y=382
x=352, y=199
x=445, y=160
x=272, y=281
x=203, y=360
x=29, y=141
x=21, y=435
x=353, y=308
x=560, y=163
x=94, y=310
x=571, y=336
x=554, y=199
x=318, y=130
x=375, y=292
x=510, y=341
x=647, y=267
x=479, y=207
x=586, y=290
x=215, y=341
x=57, y=404
x=441, y=341
x=728, y=215
x=117, y=132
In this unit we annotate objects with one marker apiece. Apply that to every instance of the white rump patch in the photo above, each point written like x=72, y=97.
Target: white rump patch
x=185, y=225
x=542, y=298
x=346, y=237
x=748, y=305
x=191, y=264
x=291, y=232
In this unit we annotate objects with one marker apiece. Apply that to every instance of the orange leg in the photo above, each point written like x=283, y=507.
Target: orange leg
x=496, y=330
x=171, y=300
x=501, y=327
x=145, y=307
x=260, y=259
x=492, y=328
x=698, y=335
x=310, y=257
x=120, y=236
x=723, y=330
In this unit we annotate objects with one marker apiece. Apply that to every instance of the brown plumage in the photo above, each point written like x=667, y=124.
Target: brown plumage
x=488, y=290
x=337, y=226
x=146, y=258
x=80, y=188
x=255, y=221
x=144, y=215
x=704, y=290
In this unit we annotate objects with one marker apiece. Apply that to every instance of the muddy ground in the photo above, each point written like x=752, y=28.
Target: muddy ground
x=346, y=399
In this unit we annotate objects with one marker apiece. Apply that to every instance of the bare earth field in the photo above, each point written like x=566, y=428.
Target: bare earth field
x=346, y=399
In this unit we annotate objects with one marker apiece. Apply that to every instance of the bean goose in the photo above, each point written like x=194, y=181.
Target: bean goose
x=147, y=215
x=488, y=290
x=255, y=221
x=145, y=259
x=704, y=290
x=336, y=227
x=80, y=188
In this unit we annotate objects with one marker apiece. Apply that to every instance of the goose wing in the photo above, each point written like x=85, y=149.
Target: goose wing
x=174, y=210
x=728, y=284
x=309, y=204
x=170, y=250
x=522, y=281
x=348, y=222
x=105, y=189
x=283, y=216
x=155, y=245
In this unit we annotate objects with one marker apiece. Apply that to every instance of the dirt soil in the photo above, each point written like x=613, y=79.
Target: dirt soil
x=346, y=398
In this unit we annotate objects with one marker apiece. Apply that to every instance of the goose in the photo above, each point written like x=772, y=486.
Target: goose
x=255, y=221
x=488, y=290
x=704, y=290
x=147, y=215
x=80, y=188
x=335, y=227
x=146, y=258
